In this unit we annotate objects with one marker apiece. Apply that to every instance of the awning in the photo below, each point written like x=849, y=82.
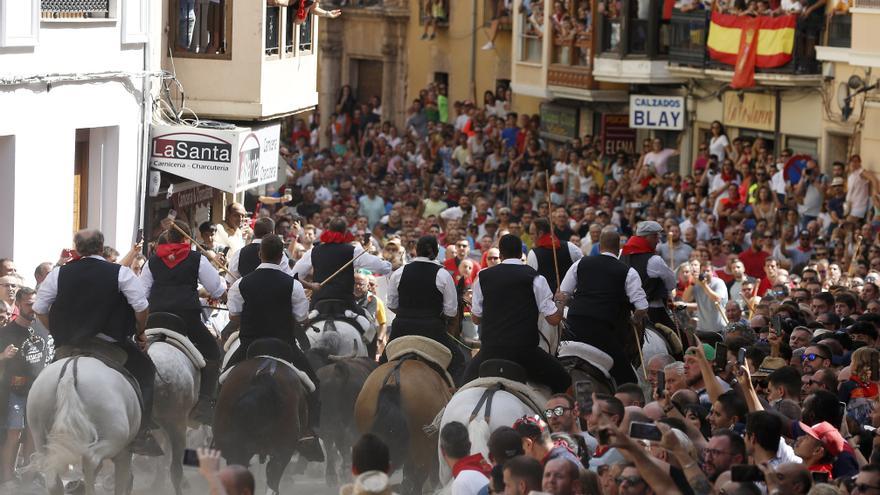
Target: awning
x=232, y=160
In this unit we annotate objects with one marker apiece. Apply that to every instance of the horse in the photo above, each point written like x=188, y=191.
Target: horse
x=261, y=410
x=397, y=401
x=353, y=341
x=81, y=410
x=177, y=384
x=342, y=378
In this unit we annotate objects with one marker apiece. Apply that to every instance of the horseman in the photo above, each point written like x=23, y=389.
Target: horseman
x=541, y=256
x=658, y=280
x=422, y=295
x=246, y=259
x=171, y=278
x=90, y=303
x=269, y=303
x=507, y=300
x=335, y=251
x=601, y=290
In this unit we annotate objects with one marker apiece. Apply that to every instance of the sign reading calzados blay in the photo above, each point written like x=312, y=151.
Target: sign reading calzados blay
x=231, y=160
x=656, y=112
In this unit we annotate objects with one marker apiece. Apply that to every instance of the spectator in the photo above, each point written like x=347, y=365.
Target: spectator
x=561, y=477
x=522, y=474
x=470, y=472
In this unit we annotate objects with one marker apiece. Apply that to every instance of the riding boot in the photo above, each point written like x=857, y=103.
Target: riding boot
x=309, y=445
x=203, y=412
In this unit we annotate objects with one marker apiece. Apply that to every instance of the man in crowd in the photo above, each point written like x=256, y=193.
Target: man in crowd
x=231, y=234
x=246, y=259
x=522, y=475
x=710, y=295
x=542, y=259
x=470, y=472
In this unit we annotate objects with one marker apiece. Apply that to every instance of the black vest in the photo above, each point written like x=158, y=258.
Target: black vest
x=510, y=313
x=654, y=288
x=601, y=289
x=268, y=310
x=175, y=289
x=418, y=295
x=249, y=259
x=326, y=259
x=89, y=302
x=545, y=264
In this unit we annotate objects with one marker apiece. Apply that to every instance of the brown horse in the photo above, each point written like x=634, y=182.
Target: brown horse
x=399, y=398
x=261, y=410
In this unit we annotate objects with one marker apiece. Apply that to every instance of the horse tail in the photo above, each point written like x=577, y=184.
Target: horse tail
x=251, y=408
x=478, y=432
x=73, y=434
x=391, y=423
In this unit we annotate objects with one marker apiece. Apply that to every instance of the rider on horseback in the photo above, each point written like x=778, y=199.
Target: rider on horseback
x=507, y=300
x=421, y=293
x=90, y=302
x=325, y=259
x=245, y=260
x=541, y=256
x=171, y=279
x=658, y=280
x=264, y=305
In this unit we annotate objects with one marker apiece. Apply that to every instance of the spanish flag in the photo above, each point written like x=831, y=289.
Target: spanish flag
x=748, y=42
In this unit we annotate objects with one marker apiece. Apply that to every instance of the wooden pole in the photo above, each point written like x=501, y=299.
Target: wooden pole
x=639, y=347
x=204, y=251
x=671, y=252
x=552, y=234
x=343, y=267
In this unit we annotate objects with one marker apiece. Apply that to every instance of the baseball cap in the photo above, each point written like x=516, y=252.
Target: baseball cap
x=707, y=349
x=827, y=434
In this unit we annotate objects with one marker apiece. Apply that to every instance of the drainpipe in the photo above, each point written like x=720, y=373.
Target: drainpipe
x=474, y=51
x=146, y=120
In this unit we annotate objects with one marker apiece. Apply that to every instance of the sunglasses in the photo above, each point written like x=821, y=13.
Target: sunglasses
x=556, y=411
x=812, y=357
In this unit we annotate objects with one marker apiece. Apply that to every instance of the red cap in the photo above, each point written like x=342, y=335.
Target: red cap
x=828, y=435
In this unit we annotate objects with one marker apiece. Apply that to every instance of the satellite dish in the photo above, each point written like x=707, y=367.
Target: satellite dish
x=843, y=100
x=855, y=82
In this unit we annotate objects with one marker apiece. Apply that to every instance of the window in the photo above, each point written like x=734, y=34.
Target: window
x=81, y=180
x=273, y=30
x=201, y=28
x=290, y=32
x=572, y=33
x=75, y=9
x=803, y=146
x=532, y=33
x=306, y=34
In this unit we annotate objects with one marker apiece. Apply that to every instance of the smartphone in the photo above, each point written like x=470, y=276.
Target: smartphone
x=644, y=431
x=740, y=473
x=190, y=458
x=820, y=476
x=140, y=236
x=875, y=367
x=741, y=356
x=366, y=239
x=583, y=393
x=776, y=325
x=661, y=383
x=720, y=356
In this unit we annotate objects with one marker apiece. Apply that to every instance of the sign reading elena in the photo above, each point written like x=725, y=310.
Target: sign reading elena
x=231, y=160
x=656, y=112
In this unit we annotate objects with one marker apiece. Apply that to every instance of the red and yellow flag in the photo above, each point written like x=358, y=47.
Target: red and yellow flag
x=748, y=42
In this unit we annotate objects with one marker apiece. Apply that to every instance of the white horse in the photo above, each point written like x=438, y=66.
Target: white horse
x=351, y=341
x=81, y=411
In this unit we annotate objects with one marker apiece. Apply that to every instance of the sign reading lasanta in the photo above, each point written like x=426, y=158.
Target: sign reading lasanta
x=656, y=112
x=231, y=160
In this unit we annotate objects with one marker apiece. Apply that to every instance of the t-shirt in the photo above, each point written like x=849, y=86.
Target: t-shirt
x=659, y=160
x=509, y=135
x=15, y=334
x=433, y=207
x=443, y=108
x=857, y=194
x=718, y=147
x=708, y=314
x=469, y=482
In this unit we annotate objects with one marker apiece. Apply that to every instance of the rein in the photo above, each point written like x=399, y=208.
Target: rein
x=486, y=398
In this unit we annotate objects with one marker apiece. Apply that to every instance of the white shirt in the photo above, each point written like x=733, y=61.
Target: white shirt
x=718, y=147
x=443, y=282
x=456, y=213
x=234, y=242
x=469, y=482
x=543, y=296
x=633, y=284
x=298, y=301
x=129, y=285
x=573, y=251
x=777, y=182
x=208, y=277
x=657, y=269
x=374, y=264
x=857, y=194
x=233, y=274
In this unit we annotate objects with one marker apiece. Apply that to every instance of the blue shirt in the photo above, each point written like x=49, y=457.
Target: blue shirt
x=509, y=135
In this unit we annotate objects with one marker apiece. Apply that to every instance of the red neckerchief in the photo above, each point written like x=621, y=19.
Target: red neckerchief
x=601, y=450
x=637, y=245
x=331, y=237
x=821, y=468
x=172, y=254
x=474, y=462
x=863, y=389
x=548, y=241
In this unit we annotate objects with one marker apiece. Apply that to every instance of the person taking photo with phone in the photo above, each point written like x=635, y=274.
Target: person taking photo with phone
x=708, y=294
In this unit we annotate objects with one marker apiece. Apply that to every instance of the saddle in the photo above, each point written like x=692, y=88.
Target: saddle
x=427, y=350
x=171, y=329
x=277, y=351
x=110, y=355
x=590, y=355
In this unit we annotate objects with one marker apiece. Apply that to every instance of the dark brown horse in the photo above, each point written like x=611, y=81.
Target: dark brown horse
x=399, y=398
x=261, y=410
x=342, y=379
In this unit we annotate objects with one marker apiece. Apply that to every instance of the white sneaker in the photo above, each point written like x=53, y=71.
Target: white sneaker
x=488, y=46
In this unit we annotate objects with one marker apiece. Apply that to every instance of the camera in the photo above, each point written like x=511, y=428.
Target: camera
x=701, y=277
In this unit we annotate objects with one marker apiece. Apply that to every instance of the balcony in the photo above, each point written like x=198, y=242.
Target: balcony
x=689, y=55
x=210, y=53
x=572, y=60
x=633, y=43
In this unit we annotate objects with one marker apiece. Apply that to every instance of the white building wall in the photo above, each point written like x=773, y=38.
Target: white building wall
x=38, y=127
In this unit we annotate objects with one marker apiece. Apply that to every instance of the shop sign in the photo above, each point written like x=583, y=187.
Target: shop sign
x=617, y=135
x=656, y=112
x=559, y=122
x=750, y=110
x=231, y=160
x=192, y=196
